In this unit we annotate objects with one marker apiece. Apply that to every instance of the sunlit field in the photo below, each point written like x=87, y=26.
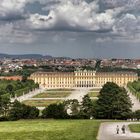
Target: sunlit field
x=49, y=130
x=135, y=128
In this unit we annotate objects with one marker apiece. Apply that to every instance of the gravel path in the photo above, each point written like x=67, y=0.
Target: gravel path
x=78, y=94
x=136, y=103
x=29, y=95
x=107, y=131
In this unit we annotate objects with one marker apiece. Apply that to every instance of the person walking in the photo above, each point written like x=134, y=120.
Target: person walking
x=123, y=129
x=117, y=129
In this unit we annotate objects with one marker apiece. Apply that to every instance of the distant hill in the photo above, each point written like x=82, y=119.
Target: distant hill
x=24, y=56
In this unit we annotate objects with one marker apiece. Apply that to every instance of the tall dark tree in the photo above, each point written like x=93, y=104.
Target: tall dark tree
x=113, y=102
x=22, y=111
x=56, y=111
x=87, y=107
x=137, y=114
x=10, y=89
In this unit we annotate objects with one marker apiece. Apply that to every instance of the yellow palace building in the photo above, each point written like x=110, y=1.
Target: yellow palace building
x=79, y=79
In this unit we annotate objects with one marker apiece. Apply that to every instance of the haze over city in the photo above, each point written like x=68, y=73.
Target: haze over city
x=73, y=28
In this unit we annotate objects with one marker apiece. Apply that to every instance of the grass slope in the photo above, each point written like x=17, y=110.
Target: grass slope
x=49, y=130
x=135, y=128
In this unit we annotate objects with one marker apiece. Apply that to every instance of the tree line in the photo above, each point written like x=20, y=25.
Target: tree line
x=16, y=88
x=113, y=103
x=134, y=87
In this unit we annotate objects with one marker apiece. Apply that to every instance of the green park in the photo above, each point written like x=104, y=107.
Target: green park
x=87, y=120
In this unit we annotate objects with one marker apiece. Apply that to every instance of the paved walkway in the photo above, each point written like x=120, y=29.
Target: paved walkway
x=136, y=103
x=78, y=94
x=107, y=131
x=29, y=95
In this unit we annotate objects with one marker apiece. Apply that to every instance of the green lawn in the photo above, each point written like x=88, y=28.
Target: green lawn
x=93, y=94
x=135, y=128
x=55, y=94
x=49, y=130
x=61, y=89
x=40, y=103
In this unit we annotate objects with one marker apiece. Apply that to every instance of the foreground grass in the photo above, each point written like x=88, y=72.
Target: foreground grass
x=55, y=94
x=49, y=130
x=40, y=103
x=135, y=128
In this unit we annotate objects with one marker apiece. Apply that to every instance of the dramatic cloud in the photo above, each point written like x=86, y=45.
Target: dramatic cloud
x=110, y=19
x=8, y=34
x=11, y=9
x=80, y=16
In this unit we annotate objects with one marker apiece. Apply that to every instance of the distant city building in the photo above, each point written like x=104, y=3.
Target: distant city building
x=11, y=78
x=80, y=79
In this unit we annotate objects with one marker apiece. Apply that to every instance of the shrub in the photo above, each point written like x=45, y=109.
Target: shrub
x=21, y=111
x=137, y=114
x=56, y=111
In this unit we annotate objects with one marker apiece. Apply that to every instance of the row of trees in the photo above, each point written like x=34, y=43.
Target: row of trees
x=16, y=110
x=134, y=87
x=113, y=103
x=18, y=87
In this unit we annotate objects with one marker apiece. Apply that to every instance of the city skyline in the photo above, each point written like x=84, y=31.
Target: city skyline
x=71, y=28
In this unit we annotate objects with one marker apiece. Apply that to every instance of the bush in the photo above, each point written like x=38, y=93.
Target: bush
x=137, y=114
x=21, y=111
x=33, y=113
x=4, y=119
x=56, y=111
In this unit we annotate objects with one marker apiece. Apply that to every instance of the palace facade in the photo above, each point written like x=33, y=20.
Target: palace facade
x=79, y=79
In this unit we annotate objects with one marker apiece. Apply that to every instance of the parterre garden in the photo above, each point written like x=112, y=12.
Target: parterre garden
x=53, y=94
x=94, y=93
x=57, y=94
x=41, y=103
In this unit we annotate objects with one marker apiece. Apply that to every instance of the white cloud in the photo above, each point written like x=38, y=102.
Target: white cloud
x=121, y=3
x=127, y=24
x=11, y=7
x=68, y=15
x=73, y=15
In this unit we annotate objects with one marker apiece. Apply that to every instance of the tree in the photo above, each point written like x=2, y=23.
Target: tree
x=22, y=111
x=4, y=105
x=24, y=78
x=10, y=89
x=87, y=107
x=72, y=107
x=113, y=102
x=137, y=114
x=56, y=111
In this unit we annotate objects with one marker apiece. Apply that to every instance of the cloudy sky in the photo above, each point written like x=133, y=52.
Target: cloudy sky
x=74, y=28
